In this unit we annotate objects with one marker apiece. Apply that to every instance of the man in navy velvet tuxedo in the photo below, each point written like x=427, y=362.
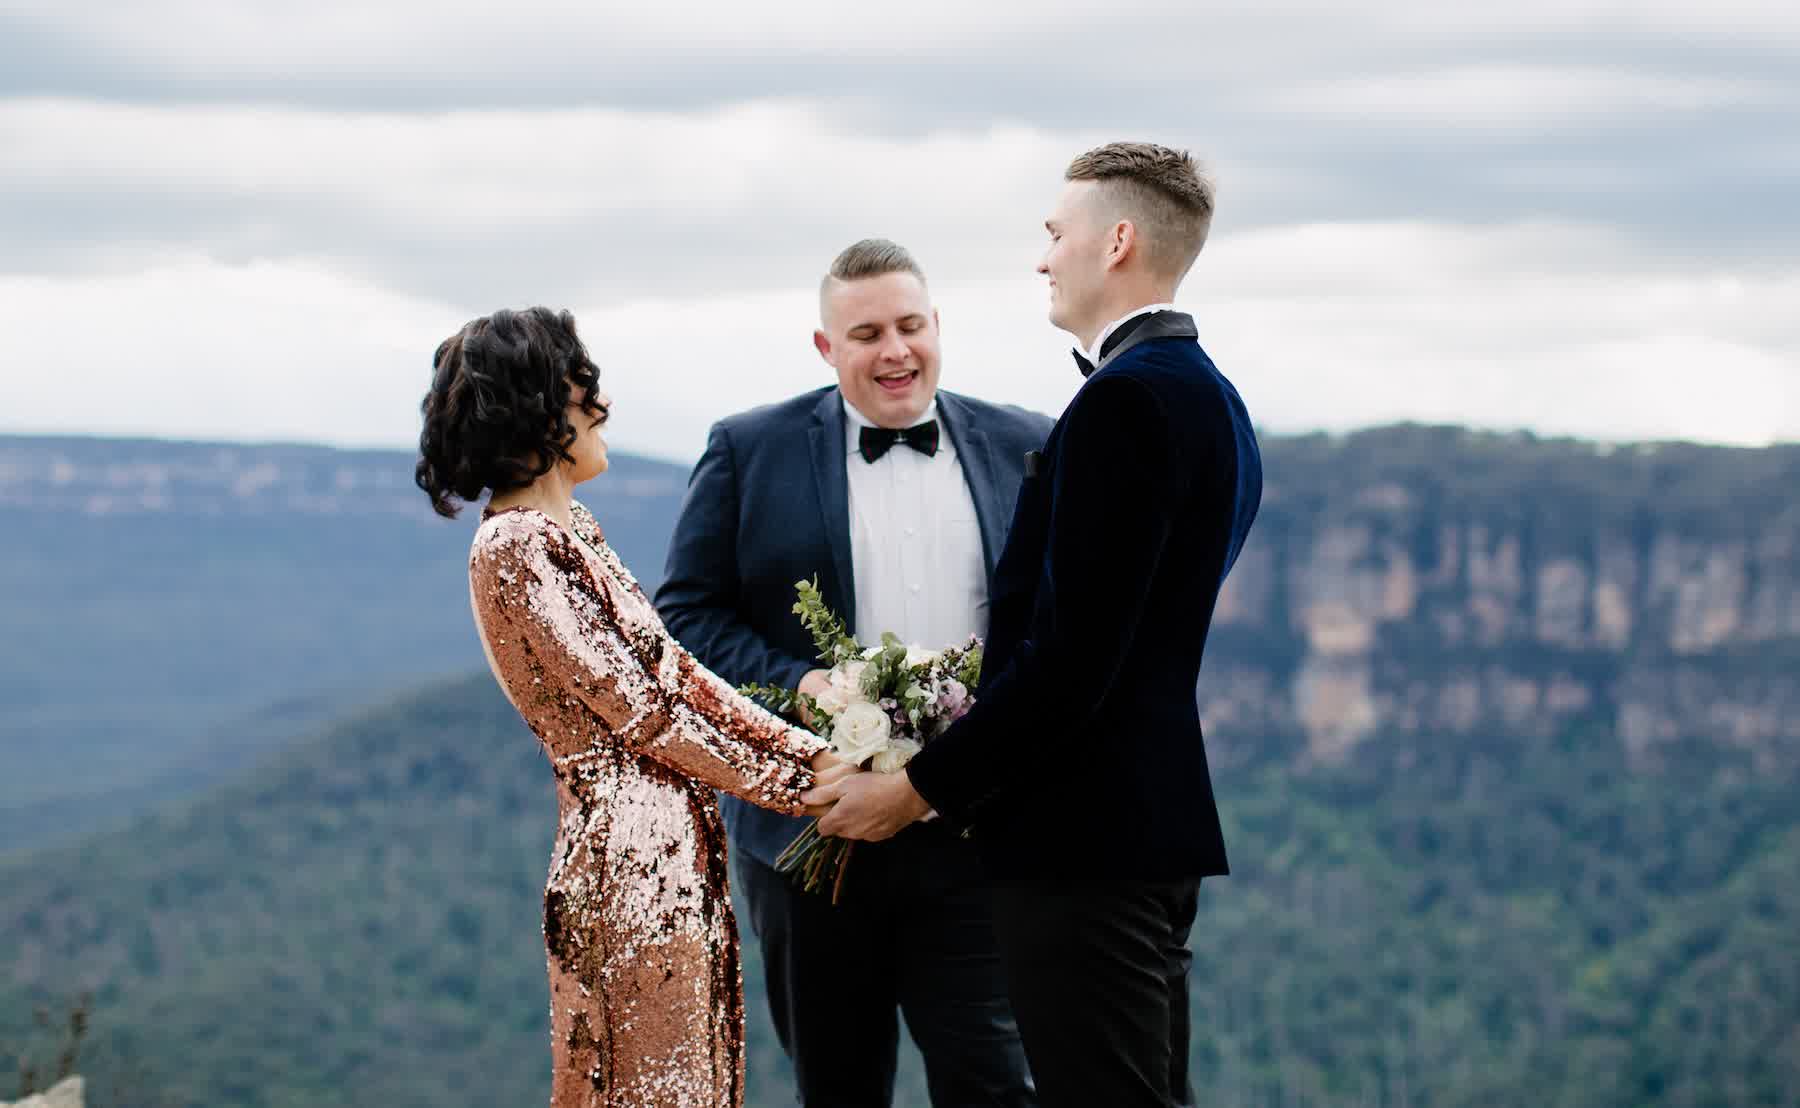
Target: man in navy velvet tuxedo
x=896, y=496
x=1081, y=770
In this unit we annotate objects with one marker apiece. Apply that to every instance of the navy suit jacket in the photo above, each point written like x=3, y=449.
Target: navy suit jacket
x=1083, y=754
x=768, y=505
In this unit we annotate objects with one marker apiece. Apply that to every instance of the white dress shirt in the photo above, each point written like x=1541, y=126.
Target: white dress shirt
x=915, y=547
x=1093, y=354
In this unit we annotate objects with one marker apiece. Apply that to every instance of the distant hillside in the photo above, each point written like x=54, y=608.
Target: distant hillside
x=1486, y=920
x=107, y=477
x=357, y=923
x=172, y=609
x=1507, y=734
x=163, y=599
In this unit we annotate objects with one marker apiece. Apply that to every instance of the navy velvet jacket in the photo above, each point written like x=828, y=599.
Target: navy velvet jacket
x=1083, y=754
x=767, y=505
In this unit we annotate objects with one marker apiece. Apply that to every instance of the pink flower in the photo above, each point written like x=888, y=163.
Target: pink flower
x=953, y=700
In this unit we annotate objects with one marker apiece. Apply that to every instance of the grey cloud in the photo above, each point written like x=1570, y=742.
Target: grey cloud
x=1691, y=189
x=1061, y=73
x=1714, y=182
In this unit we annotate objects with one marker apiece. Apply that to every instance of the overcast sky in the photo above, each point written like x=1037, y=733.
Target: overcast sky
x=255, y=220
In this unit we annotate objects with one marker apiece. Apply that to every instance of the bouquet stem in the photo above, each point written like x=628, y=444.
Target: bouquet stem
x=817, y=859
x=843, y=867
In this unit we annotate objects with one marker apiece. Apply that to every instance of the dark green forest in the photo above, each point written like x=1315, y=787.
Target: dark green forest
x=273, y=868
x=1501, y=924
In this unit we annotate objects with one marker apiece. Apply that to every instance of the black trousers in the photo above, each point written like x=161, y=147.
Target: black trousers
x=1098, y=972
x=913, y=936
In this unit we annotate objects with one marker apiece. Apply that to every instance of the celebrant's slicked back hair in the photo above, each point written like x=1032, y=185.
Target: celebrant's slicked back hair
x=872, y=258
x=497, y=415
x=868, y=258
x=1163, y=192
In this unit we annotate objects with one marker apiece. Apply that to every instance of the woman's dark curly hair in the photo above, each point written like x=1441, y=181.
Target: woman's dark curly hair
x=497, y=415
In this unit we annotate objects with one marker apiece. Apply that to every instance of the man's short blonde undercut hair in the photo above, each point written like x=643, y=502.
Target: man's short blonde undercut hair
x=1164, y=193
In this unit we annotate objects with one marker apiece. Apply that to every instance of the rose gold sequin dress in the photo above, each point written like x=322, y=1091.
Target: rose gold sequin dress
x=645, y=989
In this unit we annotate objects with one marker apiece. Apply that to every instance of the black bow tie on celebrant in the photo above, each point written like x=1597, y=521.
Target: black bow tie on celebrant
x=876, y=441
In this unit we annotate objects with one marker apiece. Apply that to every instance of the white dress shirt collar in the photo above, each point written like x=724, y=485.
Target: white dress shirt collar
x=1093, y=353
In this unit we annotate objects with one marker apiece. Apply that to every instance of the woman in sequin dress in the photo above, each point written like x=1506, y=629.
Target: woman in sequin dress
x=645, y=988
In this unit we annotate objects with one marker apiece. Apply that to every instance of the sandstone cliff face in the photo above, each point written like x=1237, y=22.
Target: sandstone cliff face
x=1374, y=607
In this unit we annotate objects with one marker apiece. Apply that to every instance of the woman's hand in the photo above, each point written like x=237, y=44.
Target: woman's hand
x=828, y=769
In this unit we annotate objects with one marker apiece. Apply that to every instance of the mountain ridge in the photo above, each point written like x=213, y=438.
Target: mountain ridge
x=1409, y=578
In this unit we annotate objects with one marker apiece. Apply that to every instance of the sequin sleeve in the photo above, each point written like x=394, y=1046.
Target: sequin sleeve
x=556, y=629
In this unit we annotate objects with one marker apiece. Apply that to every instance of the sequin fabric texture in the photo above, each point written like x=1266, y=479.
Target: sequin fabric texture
x=646, y=992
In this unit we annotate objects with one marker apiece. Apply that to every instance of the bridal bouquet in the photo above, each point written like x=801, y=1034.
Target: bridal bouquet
x=884, y=704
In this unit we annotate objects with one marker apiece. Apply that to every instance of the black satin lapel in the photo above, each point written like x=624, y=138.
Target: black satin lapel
x=828, y=456
x=1123, y=332
x=1157, y=325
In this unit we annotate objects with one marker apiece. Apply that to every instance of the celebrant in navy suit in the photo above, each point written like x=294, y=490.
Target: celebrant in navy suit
x=896, y=496
x=1081, y=769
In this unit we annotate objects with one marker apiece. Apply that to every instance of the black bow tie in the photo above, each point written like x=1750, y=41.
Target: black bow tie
x=876, y=441
x=1081, y=362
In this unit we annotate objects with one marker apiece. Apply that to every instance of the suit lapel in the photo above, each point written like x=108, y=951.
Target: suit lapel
x=976, y=454
x=828, y=457
x=1158, y=325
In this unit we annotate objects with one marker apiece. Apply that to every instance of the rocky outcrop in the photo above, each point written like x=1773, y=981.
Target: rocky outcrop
x=1591, y=590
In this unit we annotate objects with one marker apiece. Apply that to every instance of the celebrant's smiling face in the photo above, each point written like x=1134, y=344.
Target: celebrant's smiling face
x=881, y=335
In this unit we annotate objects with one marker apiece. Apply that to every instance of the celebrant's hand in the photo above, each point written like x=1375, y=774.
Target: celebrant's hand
x=814, y=684
x=868, y=806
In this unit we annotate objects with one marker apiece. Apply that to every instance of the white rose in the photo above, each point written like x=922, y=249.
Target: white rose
x=845, y=688
x=894, y=758
x=873, y=651
x=861, y=732
x=919, y=656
